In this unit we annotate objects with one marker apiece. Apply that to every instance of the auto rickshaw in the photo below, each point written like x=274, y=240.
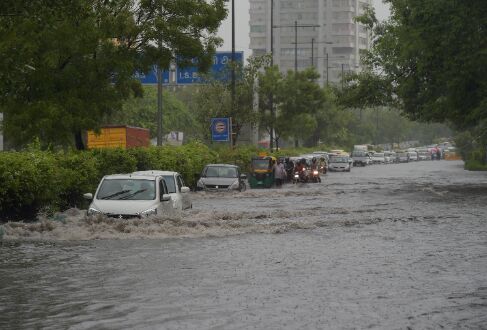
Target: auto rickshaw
x=262, y=172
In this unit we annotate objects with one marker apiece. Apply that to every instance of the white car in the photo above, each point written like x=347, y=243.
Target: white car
x=179, y=193
x=378, y=158
x=413, y=156
x=131, y=196
x=340, y=163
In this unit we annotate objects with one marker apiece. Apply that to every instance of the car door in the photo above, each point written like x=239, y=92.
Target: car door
x=185, y=198
x=165, y=206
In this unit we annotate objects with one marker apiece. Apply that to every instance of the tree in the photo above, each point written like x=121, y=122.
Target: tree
x=300, y=97
x=213, y=99
x=142, y=112
x=433, y=54
x=67, y=64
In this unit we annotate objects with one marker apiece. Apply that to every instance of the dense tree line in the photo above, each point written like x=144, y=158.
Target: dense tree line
x=67, y=64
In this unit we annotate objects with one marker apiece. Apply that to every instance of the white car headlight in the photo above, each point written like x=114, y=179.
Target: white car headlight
x=148, y=212
x=93, y=211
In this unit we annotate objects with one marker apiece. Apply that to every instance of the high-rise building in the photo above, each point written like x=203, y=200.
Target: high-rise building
x=327, y=35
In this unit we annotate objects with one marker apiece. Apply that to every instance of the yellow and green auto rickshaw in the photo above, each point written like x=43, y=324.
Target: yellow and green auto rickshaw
x=262, y=172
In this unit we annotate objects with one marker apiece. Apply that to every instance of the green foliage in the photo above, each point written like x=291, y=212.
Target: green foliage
x=433, y=55
x=67, y=65
x=475, y=165
x=142, y=112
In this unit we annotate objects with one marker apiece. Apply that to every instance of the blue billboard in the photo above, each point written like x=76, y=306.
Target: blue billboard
x=190, y=75
x=221, y=129
x=150, y=78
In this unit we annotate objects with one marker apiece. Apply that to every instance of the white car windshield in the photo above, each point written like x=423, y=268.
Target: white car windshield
x=339, y=160
x=221, y=172
x=127, y=189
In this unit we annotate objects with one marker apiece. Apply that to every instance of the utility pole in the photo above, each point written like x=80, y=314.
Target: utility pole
x=159, y=106
x=312, y=52
x=327, y=68
x=342, y=74
x=271, y=133
x=233, y=56
x=295, y=46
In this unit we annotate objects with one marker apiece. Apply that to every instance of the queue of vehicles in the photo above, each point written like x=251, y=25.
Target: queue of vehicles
x=146, y=193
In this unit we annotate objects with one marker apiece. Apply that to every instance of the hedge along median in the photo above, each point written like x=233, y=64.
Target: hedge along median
x=35, y=181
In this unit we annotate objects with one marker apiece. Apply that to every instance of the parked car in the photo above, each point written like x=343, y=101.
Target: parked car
x=361, y=158
x=378, y=158
x=402, y=157
x=178, y=191
x=222, y=177
x=413, y=156
x=340, y=163
x=131, y=196
x=392, y=156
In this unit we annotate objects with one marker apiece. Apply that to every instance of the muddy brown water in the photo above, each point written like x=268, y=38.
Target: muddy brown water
x=383, y=247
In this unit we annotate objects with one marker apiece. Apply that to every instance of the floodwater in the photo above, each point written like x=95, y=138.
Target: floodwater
x=383, y=247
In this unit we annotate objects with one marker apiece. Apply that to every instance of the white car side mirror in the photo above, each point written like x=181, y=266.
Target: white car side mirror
x=88, y=196
x=165, y=198
x=185, y=190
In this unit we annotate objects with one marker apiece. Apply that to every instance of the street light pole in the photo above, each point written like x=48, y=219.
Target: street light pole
x=233, y=56
x=295, y=46
x=159, y=106
x=271, y=96
x=327, y=68
x=342, y=74
x=312, y=52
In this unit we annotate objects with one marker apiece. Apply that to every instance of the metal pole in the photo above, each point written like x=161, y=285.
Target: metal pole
x=295, y=46
x=159, y=106
x=271, y=133
x=327, y=68
x=342, y=74
x=312, y=52
x=233, y=56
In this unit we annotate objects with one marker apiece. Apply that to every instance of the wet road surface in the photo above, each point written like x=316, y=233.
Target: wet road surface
x=383, y=247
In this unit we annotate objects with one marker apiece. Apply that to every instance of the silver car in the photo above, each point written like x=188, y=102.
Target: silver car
x=129, y=196
x=340, y=163
x=221, y=177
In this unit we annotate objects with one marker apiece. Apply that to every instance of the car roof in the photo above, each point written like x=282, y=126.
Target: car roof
x=153, y=173
x=129, y=176
x=221, y=165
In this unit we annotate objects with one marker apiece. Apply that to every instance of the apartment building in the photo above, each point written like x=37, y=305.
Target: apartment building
x=327, y=36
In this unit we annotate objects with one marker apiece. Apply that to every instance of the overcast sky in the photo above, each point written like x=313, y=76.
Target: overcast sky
x=242, y=39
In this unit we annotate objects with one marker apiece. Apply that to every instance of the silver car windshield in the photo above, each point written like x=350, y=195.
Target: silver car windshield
x=127, y=189
x=339, y=160
x=221, y=172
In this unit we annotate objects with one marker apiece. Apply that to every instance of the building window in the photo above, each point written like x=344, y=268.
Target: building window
x=257, y=28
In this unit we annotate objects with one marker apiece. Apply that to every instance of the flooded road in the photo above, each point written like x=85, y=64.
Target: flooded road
x=383, y=247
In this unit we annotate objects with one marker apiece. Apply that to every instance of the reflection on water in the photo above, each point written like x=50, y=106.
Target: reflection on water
x=385, y=247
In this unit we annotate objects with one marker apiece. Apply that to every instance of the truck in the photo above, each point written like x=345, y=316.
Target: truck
x=121, y=136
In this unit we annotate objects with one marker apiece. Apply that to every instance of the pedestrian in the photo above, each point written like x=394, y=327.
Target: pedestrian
x=438, y=154
x=279, y=173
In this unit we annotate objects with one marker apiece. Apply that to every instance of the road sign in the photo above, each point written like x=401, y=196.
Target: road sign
x=150, y=78
x=190, y=75
x=221, y=129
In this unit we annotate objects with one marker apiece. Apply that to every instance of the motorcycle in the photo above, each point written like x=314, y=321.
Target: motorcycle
x=300, y=176
x=315, y=176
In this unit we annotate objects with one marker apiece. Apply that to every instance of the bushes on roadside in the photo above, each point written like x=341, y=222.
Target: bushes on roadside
x=42, y=181
x=36, y=181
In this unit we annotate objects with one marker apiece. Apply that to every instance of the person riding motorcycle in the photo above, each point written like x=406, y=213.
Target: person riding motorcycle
x=314, y=174
x=300, y=169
